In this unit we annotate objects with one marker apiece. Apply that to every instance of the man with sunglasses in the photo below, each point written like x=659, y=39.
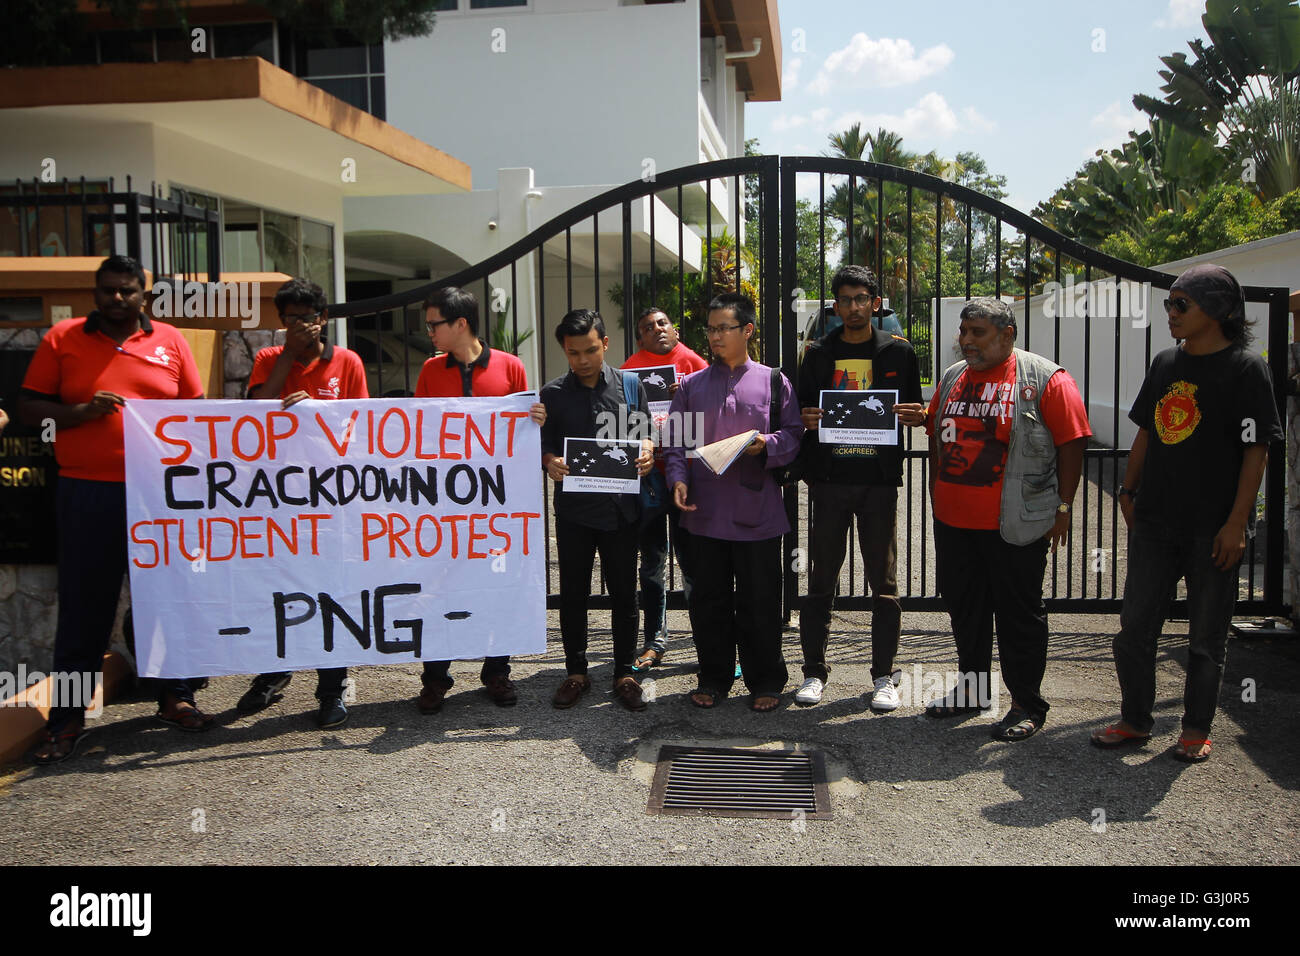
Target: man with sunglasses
x=1206, y=414
x=305, y=367
x=468, y=368
x=854, y=481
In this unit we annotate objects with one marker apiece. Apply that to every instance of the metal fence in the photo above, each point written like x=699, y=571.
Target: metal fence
x=933, y=243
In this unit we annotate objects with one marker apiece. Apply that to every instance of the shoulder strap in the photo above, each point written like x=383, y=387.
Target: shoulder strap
x=629, y=388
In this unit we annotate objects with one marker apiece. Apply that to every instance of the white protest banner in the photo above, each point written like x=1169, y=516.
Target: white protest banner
x=333, y=533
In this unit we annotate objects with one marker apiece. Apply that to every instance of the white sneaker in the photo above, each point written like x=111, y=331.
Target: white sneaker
x=885, y=695
x=810, y=692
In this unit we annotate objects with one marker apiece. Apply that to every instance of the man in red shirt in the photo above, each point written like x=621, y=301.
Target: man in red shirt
x=657, y=337
x=82, y=374
x=304, y=367
x=468, y=368
x=1007, y=433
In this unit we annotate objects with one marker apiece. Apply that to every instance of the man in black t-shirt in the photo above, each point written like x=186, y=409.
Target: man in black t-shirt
x=1206, y=414
x=847, y=481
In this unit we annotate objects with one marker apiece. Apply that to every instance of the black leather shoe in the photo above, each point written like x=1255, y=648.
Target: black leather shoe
x=332, y=713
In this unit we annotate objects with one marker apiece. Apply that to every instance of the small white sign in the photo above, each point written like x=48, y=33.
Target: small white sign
x=859, y=418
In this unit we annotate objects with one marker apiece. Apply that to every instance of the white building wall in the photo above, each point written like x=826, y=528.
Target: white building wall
x=581, y=90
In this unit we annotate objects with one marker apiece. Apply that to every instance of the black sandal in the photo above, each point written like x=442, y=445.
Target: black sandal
x=648, y=659
x=62, y=745
x=1018, y=724
x=947, y=706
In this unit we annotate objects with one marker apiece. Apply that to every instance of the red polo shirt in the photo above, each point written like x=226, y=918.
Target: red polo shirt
x=493, y=373
x=680, y=357
x=75, y=360
x=338, y=373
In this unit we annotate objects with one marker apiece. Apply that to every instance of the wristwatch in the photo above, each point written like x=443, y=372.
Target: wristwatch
x=1126, y=491
x=1063, y=508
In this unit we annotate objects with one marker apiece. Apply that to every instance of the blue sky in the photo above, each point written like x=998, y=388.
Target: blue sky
x=1017, y=81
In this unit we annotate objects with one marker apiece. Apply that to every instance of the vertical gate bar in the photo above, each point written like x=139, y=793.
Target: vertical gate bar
x=21, y=210
x=778, y=183
x=735, y=229
x=67, y=216
x=997, y=260
x=654, y=286
x=821, y=239
x=568, y=267
x=880, y=233
x=1029, y=287
x=112, y=218
x=969, y=214
x=848, y=231
x=36, y=214
x=708, y=240
x=629, y=300
x=933, y=334
x=1087, y=407
x=907, y=299
x=595, y=260
x=1275, y=480
x=514, y=306
x=1114, y=455
x=1056, y=357
x=540, y=327
x=681, y=263
x=132, y=222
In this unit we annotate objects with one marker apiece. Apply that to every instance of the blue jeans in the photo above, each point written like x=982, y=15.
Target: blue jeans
x=1157, y=558
x=653, y=539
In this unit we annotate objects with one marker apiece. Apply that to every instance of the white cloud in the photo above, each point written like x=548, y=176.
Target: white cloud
x=790, y=75
x=1181, y=13
x=879, y=63
x=931, y=117
x=1113, y=125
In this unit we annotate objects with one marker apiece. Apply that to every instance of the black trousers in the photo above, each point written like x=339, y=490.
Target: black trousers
x=329, y=680
x=576, y=546
x=982, y=577
x=834, y=508
x=736, y=608
x=92, y=562
x=439, y=672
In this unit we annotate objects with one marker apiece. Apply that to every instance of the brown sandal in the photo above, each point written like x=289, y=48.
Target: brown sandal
x=55, y=748
x=187, y=717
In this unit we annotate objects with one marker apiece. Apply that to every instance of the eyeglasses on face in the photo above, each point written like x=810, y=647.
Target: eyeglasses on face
x=1178, y=305
x=433, y=325
x=861, y=300
x=720, y=329
x=308, y=317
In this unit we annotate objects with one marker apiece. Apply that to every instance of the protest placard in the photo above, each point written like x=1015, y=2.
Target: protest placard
x=601, y=465
x=658, y=381
x=859, y=417
x=333, y=534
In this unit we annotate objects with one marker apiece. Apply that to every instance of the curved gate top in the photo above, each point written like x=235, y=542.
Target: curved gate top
x=767, y=225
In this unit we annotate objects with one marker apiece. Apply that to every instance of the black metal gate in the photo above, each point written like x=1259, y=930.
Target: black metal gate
x=909, y=227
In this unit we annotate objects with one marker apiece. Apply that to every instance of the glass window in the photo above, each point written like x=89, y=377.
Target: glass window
x=378, y=105
x=318, y=255
x=336, y=61
x=443, y=6
x=173, y=44
x=494, y=4
x=280, y=235
x=244, y=39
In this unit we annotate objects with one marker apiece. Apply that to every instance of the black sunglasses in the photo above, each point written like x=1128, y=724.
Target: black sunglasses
x=1178, y=305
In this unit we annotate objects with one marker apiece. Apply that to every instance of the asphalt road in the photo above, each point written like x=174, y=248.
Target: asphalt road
x=478, y=784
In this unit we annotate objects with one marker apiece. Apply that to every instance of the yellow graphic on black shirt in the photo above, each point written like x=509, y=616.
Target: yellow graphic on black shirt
x=851, y=375
x=1177, y=413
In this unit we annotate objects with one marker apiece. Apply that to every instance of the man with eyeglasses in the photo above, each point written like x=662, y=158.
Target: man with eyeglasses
x=83, y=373
x=305, y=367
x=854, y=481
x=736, y=518
x=468, y=368
x=1206, y=414
x=660, y=346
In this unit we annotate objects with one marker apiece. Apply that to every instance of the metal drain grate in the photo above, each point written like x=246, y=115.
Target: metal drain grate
x=720, y=782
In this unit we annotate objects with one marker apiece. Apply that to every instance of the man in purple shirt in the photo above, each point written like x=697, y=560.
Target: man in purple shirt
x=735, y=519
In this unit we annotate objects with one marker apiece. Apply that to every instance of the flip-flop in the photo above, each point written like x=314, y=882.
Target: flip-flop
x=71, y=738
x=191, y=720
x=648, y=659
x=1115, y=736
x=1186, y=744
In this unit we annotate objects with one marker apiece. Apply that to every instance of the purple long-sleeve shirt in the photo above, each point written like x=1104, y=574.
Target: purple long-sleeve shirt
x=744, y=502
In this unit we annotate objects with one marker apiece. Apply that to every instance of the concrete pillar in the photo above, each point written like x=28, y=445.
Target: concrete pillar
x=516, y=194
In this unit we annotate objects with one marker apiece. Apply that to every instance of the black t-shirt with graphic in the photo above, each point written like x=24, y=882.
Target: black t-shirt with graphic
x=1201, y=412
